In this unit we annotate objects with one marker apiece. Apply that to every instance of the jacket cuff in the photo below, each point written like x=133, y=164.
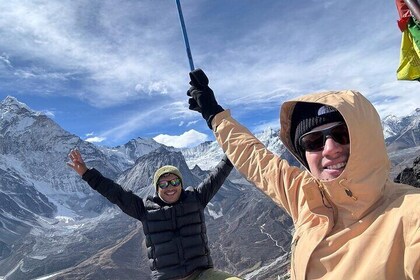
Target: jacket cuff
x=227, y=161
x=218, y=118
x=89, y=174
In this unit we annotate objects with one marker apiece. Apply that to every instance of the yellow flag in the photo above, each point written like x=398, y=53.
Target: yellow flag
x=409, y=67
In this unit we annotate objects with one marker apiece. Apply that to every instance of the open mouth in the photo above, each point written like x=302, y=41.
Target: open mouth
x=170, y=192
x=336, y=166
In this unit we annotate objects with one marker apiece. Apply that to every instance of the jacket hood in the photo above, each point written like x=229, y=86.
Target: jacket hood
x=362, y=182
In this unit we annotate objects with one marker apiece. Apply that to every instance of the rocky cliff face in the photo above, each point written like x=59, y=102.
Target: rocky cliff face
x=410, y=175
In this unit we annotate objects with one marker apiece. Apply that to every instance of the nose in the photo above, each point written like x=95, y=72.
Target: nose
x=331, y=147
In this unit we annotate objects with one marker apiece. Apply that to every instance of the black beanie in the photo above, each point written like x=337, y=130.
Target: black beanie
x=307, y=116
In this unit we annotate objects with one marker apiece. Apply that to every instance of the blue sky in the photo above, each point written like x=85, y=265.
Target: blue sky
x=112, y=70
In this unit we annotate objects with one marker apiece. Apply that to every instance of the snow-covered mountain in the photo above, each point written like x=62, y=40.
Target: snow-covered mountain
x=402, y=137
x=52, y=223
x=207, y=154
x=402, y=133
x=394, y=126
x=125, y=156
x=35, y=147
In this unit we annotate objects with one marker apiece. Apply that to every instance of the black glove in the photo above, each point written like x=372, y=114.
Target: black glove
x=202, y=98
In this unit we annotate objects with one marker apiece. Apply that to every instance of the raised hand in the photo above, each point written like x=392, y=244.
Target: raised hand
x=76, y=162
x=202, y=97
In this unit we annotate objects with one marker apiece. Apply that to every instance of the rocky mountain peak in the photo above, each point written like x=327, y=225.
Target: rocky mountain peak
x=10, y=100
x=126, y=155
x=17, y=118
x=140, y=176
x=11, y=105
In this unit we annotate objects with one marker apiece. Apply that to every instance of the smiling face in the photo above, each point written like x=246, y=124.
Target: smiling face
x=329, y=162
x=171, y=193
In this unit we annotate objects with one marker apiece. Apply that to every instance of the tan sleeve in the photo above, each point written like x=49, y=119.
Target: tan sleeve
x=412, y=250
x=271, y=174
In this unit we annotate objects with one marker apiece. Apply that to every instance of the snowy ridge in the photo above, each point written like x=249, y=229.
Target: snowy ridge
x=394, y=126
x=126, y=155
x=11, y=104
x=208, y=154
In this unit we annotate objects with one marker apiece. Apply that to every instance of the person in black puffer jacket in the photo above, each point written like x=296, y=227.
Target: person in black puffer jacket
x=173, y=219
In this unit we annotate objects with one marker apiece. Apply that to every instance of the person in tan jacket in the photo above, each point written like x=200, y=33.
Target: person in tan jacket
x=351, y=220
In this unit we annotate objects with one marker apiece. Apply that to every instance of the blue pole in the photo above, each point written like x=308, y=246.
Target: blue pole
x=184, y=32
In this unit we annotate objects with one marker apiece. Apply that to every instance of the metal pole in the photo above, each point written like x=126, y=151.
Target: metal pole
x=184, y=32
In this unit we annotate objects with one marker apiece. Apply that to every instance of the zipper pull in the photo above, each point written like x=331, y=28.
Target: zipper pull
x=348, y=192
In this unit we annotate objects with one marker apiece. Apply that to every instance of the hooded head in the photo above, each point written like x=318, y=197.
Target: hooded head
x=307, y=116
x=368, y=165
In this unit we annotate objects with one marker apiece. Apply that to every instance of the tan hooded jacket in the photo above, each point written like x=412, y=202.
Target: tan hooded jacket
x=360, y=225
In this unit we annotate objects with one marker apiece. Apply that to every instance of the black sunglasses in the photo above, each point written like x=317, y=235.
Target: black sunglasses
x=315, y=140
x=174, y=182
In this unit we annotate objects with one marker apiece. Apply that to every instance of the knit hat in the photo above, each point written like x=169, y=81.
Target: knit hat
x=307, y=116
x=165, y=170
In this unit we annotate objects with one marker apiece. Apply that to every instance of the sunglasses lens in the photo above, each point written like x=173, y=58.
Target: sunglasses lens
x=163, y=184
x=312, y=141
x=175, y=182
x=340, y=135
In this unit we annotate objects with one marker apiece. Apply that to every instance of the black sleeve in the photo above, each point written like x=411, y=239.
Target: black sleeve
x=211, y=185
x=128, y=202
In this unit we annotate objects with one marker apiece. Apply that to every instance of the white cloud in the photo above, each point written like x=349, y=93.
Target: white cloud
x=152, y=88
x=192, y=123
x=5, y=59
x=95, y=139
x=115, y=56
x=49, y=113
x=110, y=48
x=190, y=138
x=144, y=119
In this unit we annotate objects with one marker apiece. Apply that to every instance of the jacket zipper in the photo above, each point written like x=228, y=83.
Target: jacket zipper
x=330, y=205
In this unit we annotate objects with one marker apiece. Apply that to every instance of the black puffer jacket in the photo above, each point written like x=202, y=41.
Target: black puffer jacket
x=176, y=237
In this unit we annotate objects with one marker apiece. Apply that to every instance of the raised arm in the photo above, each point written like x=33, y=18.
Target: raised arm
x=128, y=202
x=271, y=174
x=211, y=185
